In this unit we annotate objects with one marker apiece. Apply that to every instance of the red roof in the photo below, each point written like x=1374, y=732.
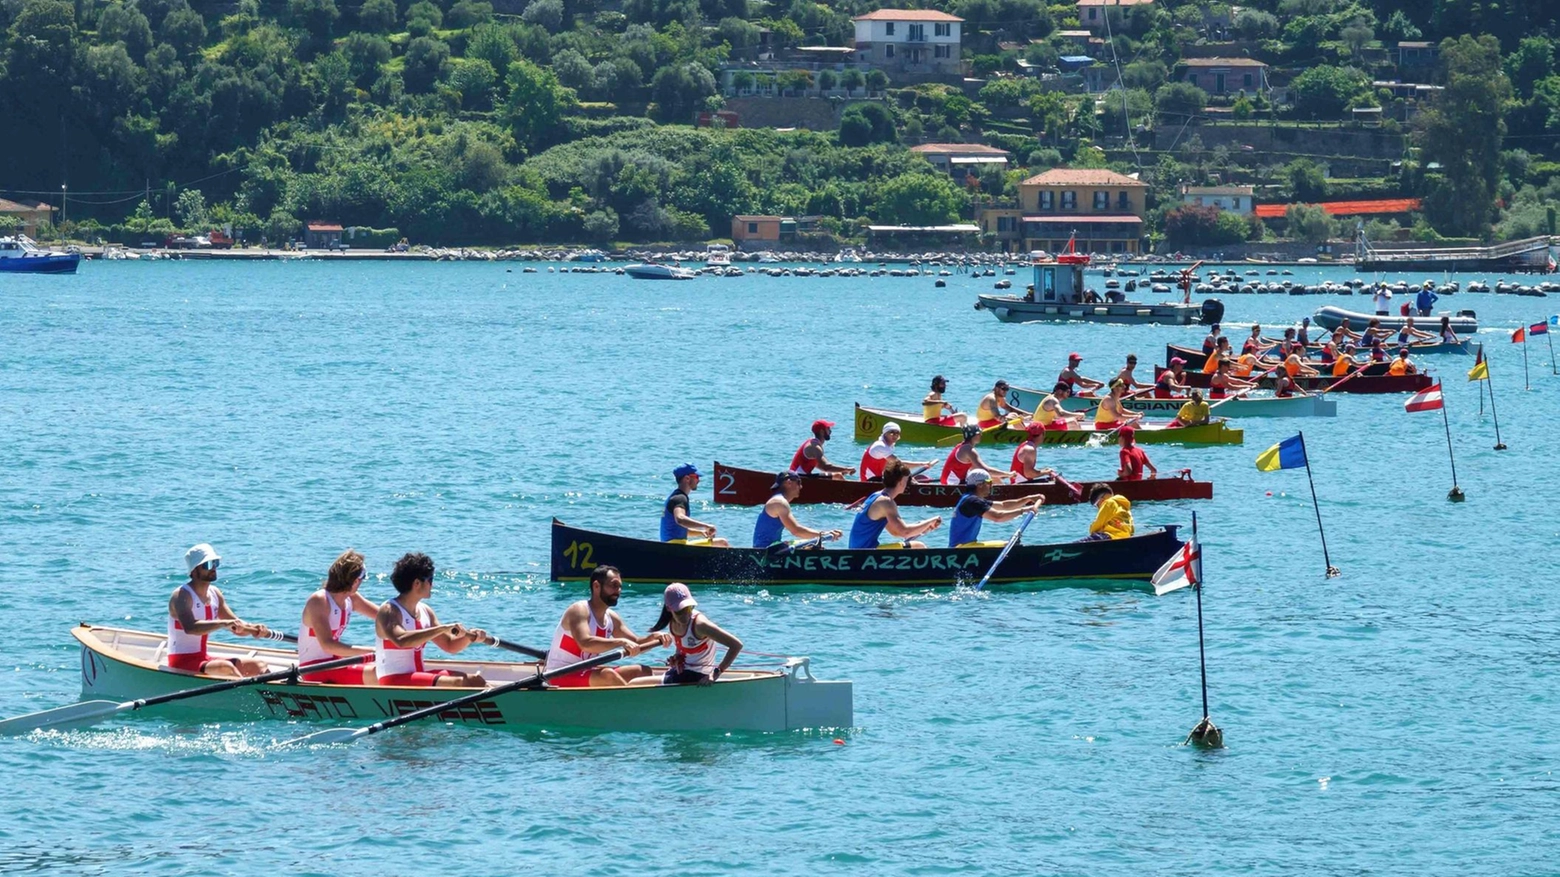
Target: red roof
x=324, y=226
x=1347, y=208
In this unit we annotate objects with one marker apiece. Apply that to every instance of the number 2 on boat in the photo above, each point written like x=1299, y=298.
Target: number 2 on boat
x=728, y=483
x=579, y=555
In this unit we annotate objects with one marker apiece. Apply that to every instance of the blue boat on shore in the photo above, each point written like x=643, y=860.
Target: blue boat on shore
x=19, y=254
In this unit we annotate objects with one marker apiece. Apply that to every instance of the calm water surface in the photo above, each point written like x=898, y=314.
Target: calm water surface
x=1399, y=719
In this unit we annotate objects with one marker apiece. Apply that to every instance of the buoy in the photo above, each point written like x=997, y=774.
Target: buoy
x=1270, y=493
x=838, y=742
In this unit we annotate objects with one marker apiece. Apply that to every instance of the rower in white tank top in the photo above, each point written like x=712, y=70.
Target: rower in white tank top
x=181, y=643
x=391, y=661
x=309, y=649
x=698, y=655
x=565, y=650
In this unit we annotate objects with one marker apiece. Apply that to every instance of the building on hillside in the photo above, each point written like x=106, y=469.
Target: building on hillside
x=960, y=160
x=757, y=232
x=31, y=213
x=1223, y=77
x=1091, y=13
x=1080, y=39
x=322, y=235
x=1415, y=54
x=1234, y=199
x=1104, y=210
x=910, y=44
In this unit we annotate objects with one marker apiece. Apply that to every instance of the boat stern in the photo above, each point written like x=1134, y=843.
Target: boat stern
x=811, y=703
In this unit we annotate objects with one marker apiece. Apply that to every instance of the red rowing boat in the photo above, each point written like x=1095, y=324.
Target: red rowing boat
x=1373, y=380
x=752, y=487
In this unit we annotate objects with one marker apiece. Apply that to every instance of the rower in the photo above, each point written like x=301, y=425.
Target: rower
x=675, y=523
x=1114, y=518
x=590, y=627
x=1171, y=381
x=1378, y=352
x=963, y=458
x=1296, y=367
x=993, y=405
x=1222, y=382
x=880, y=512
x=1075, y=382
x=1408, y=334
x=1401, y=366
x=405, y=624
x=976, y=507
x=1329, y=354
x=1126, y=377
x=196, y=610
x=1111, y=413
x=775, y=517
x=1374, y=332
x=1211, y=343
x=1052, y=415
x=1285, y=386
x=809, y=458
x=1025, y=457
x=881, y=451
x=1221, y=353
x=325, y=617
x=1303, y=335
x=1195, y=412
x=695, y=637
x=1254, y=342
x=933, y=406
x=1133, y=458
x=1447, y=335
x=1345, y=362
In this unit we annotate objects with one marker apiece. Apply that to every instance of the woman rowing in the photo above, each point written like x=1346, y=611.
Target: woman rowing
x=1211, y=343
x=933, y=406
x=1447, y=335
x=963, y=458
x=1295, y=366
x=325, y=617
x=880, y=512
x=775, y=518
x=695, y=638
x=1112, y=413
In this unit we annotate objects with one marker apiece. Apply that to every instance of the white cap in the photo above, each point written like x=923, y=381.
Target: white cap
x=891, y=426
x=198, y=555
x=977, y=476
x=678, y=596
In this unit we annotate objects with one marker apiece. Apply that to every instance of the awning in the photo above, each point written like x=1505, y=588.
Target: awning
x=979, y=159
x=1085, y=220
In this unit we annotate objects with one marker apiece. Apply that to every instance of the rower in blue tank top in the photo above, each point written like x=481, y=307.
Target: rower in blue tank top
x=775, y=517
x=880, y=512
x=975, y=507
x=675, y=522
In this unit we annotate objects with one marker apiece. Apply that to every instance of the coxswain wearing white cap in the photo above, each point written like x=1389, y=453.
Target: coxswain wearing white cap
x=881, y=451
x=196, y=610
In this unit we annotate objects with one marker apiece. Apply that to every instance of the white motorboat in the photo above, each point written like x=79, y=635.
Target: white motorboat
x=657, y=271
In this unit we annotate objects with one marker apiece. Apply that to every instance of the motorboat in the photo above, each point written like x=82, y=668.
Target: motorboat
x=21, y=254
x=657, y=271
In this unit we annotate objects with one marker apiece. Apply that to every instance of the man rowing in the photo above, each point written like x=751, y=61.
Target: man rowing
x=589, y=628
x=1025, y=463
x=775, y=518
x=963, y=458
x=880, y=512
x=877, y=455
x=406, y=624
x=1223, y=381
x=1296, y=367
x=934, y=406
x=809, y=458
x=994, y=407
x=1221, y=353
x=1195, y=412
x=1126, y=377
x=1285, y=385
x=1211, y=342
x=1133, y=458
x=196, y=610
x=975, y=507
x=1172, y=381
x=1114, y=518
x=1345, y=362
x=1075, y=382
x=695, y=638
x=675, y=522
x=1409, y=335
x=1052, y=415
x=325, y=617
x=1111, y=412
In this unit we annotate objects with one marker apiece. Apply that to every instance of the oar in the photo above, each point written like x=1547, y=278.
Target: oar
x=95, y=710
x=1009, y=547
x=516, y=647
x=347, y=735
x=1230, y=398
x=782, y=549
x=1346, y=378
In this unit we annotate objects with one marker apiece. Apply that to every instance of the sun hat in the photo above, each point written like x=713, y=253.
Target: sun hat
x=198, y=555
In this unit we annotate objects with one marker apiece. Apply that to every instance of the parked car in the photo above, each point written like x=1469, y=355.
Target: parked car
x=180, y=242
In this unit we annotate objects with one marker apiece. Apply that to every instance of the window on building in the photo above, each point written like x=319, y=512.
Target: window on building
x=1007, y=223
x=1247, y=80
x=1069, y=200
x=888, y=51
x=1236, y=202
x=1047, y=199
x=943, y=29
x=1101, y=200
x=1192, y=78
x=917, y=33
x=752, y=228
x=1123, y=201
x=1094, y=13
x=1117, y=246
x=888, y=28
x=942, y=51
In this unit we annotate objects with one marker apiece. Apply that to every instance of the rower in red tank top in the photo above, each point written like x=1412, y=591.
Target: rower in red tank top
x=809, y=458
x=590, y=627
x=325, y=617
x=406, y=624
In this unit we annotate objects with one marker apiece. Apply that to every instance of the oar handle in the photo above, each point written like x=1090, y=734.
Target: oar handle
x=289, y=674
x=520, y=649
x=487, y=693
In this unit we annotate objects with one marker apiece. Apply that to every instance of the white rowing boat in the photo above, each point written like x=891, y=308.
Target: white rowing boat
x=122, y=665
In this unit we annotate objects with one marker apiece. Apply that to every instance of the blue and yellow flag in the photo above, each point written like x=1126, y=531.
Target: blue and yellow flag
x=1287, y=454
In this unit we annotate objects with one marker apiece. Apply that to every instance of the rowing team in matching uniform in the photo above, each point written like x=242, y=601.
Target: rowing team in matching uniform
x=405, y=625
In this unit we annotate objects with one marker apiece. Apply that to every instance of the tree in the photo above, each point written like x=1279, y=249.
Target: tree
x=601, y=226
x=877, y=80
x=919, y=199
x=1147, y=75
x=185, y=30
x=42, y=40
x=490, y=43
x=1533, y=60
x=366, y=54
x=535, y=105
x=1399, y=27
x=427, y=61
x=1254, y=24
x=1179, y=100
x=121, y=22
x=680, y=89
x=423, y=18
x=316, y=17
x=1309, y=223
x=1306, y=180
x=1196, y=225
x=377, y=16
x=866, y=123
x=852, y=79
x=572, y=69
x=827, y=80
x=1462, y=130
x=546, y=14
x=191, y=209
x=1324, y=91
x=474, y=79
x=467, y=13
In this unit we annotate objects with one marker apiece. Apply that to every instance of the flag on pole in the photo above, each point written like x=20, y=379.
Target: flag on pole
x=1518, y=336
x=1182, y=569
x=1287, y=454
x=1538, y=329
x=1480, y=372
x=1428, y=399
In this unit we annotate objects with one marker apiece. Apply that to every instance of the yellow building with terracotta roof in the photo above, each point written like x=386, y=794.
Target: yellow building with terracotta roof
x=1102, y=208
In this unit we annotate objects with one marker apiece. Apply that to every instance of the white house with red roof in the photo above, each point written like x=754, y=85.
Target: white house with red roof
x=910, y=42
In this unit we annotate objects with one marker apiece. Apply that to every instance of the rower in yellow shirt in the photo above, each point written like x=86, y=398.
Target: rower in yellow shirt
x=1114, y=519
x=1195, y=412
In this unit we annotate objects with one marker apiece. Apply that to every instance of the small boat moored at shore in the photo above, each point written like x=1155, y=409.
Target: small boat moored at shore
x=21, y=255
x=915, y=431
x=750, y=487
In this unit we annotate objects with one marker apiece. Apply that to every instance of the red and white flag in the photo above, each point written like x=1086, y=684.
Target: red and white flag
x=1182, y=569
x=1428, y=399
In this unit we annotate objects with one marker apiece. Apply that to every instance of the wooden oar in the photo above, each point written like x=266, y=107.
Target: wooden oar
x=95, y=710
x=959, y=436
x=1007, y=548
x=1230, y=397
x=348, y=735
x=780, y=549
x=1346, y=378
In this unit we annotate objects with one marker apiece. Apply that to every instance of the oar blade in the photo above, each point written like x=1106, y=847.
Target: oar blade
x=76, y=713
x=327, y=737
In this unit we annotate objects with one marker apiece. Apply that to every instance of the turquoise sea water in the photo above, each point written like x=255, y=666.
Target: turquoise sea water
x=1398, y=719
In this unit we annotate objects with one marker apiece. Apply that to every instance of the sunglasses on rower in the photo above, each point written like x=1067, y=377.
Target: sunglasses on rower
x=211, y=565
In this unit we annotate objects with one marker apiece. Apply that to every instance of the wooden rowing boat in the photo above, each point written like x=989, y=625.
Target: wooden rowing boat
x=1297, y=406
x=751, y=487
x=124, y=665
x=915, y=431
x=1373, y=380
x=1116, y=563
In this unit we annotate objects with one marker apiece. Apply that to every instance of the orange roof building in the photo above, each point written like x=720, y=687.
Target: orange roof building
x=1377, y=207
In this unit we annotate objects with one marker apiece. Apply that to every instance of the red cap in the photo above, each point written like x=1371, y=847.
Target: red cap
x=1075, y=356
x=1128, y=431
x=1035, y=429
x=820, y=424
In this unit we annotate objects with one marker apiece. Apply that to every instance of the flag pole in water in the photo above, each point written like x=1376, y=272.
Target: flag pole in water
x=1331, y=570
x=1520, y=337
x=1434, y=398
x=1489, y=379
x=1206, y=734
x=1456, y=494
x=1477, y=361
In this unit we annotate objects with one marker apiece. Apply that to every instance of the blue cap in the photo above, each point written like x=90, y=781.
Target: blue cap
x=685, y=470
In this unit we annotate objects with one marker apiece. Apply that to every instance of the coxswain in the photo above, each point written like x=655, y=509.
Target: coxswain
x=1078, y=384
x=1126, y=377
x=1133, y=458
x=963, y=458
x=1223, y=382
x=994, y=406
x=675, y=523
x=1447, y=335
x=1051, y=414
x=809, y=458
x=695, y=638
x=1303, y=334
x=880, y=512
x=1195, y=412
x=934, y=406
x=975, y=507
x=1378, y=351
x=1401, y=366
x=1408, y=334
x=877, y=455
x=1211, y=342
x=1114, y=518
x=590, y=627
x=1172, y=381
x=1111, y=413
x=196, y=610
x=775, y=517
x=406, y=624
x=325, y=617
